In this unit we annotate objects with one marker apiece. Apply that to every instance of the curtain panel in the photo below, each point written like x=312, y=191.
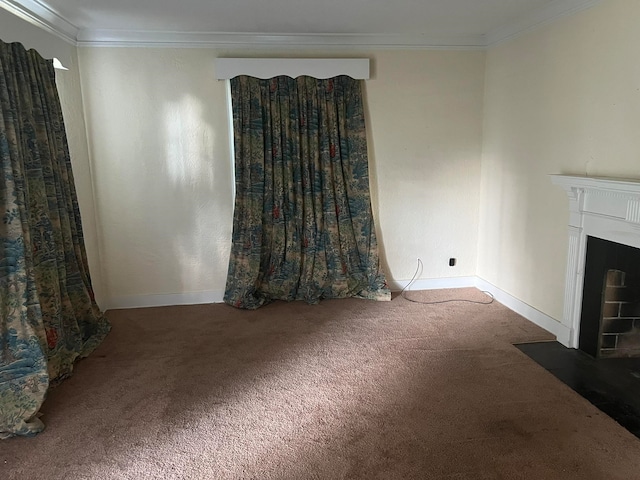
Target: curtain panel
x=48, y=314
x=303, y=224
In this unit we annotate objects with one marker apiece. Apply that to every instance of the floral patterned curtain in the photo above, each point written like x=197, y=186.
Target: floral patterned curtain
x=48, y=316
x=303, y=226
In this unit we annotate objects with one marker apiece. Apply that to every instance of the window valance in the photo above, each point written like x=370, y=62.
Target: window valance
x=357, y=68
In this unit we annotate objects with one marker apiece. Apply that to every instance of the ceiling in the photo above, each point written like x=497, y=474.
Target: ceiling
x=418, y=23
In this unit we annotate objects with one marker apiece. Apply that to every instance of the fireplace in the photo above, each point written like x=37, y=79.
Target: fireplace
x=603, y=265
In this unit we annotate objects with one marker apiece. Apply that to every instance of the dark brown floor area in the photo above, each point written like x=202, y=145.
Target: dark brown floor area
x=347, y=389
x=611, y=384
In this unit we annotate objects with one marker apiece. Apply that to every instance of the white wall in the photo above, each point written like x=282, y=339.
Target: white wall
x=157, y=121
x=425, y=134
x=564, y=98
x=13, y=29
x=158, y=126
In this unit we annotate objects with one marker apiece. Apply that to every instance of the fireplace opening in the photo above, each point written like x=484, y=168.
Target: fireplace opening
x=610, y=317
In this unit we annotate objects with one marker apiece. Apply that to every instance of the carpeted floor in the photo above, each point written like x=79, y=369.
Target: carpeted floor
x=345, y=389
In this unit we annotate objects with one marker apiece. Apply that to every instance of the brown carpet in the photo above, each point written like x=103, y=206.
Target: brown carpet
x=344, y=389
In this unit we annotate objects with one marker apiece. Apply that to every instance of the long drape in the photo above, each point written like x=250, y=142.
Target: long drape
x=303, y=226
x=47, y=311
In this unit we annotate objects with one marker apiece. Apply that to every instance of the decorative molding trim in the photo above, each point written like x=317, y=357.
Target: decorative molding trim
x=574, y=273
x=39, y=13
x=121, y=38
x=633, y=211
x=552, y=12
x=144, y=301
x=543, y=320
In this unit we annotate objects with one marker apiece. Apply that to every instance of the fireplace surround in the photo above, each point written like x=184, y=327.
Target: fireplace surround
x=602, y=208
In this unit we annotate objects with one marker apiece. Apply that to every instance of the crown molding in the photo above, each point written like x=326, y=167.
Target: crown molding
x=39, y=13
x=552, y=12
x=110, y=38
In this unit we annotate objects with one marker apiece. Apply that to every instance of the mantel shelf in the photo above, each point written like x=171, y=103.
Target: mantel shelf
x=629, y=185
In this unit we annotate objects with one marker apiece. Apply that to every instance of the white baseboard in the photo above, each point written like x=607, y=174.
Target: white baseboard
x=143, y=301
x=543, y=320
x=433, y=283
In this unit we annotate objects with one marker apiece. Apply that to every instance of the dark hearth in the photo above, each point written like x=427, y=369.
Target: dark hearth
x=611, y=384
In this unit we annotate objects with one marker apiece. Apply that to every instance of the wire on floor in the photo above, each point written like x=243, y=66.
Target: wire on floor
x=415, y=276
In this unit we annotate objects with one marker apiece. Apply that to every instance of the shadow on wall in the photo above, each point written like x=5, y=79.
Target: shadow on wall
x=524, y=242
x=373, y=182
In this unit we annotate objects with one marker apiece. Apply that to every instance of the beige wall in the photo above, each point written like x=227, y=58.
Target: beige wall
x=158, y=125
x=157, y=121
x=425, y=137
x=562, y=99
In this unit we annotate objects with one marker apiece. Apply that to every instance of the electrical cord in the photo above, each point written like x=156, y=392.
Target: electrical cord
x=415, y=275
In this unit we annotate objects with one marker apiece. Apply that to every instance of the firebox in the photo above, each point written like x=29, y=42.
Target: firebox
x=610, y=314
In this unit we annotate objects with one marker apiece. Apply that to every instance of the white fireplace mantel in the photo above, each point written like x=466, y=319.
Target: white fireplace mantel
x=607, y=208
